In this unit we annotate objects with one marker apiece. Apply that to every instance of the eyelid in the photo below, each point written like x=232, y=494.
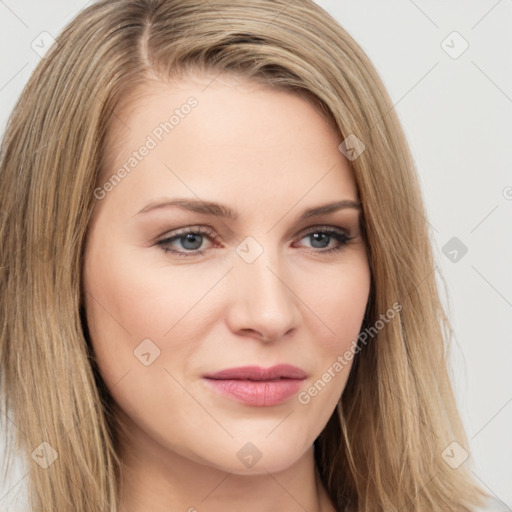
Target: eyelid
x=197, y=228
x=324, y=227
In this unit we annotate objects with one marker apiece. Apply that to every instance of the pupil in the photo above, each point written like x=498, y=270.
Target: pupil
x=193, y=239
x=317, y=236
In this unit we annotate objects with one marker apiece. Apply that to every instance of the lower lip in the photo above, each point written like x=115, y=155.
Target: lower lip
x=261, y=393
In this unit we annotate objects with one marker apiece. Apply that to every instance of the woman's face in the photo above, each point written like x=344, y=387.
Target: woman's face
x=271, y=284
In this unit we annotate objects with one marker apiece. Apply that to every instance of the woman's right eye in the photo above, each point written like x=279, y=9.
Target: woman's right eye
x=190, y=240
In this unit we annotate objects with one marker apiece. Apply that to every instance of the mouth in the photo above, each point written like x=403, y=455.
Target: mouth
x=256, y=386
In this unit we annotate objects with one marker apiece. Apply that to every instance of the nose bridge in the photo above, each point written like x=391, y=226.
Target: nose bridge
x=264, y=300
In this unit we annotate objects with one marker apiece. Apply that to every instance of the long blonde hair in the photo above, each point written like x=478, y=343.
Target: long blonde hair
x=383, y=447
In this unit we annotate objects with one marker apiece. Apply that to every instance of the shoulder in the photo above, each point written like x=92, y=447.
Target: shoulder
x=491, y=505
x=494, y=505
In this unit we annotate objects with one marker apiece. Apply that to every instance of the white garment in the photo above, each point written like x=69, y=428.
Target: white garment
x=494, y=505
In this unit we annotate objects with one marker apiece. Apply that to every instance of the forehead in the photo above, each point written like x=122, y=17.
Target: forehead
x=225, y=135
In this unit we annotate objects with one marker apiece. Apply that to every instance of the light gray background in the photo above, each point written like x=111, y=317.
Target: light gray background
x=457, y=116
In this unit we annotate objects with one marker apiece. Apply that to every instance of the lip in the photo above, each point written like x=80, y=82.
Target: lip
x=257, y=386
x=258, y=373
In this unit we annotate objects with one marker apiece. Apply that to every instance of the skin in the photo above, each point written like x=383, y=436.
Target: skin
x=270, y=155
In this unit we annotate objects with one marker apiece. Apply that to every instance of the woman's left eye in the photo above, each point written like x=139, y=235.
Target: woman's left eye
x=324, y=235
x=191, y=239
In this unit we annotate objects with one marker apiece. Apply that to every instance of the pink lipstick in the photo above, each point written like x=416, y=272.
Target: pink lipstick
x=258, y=386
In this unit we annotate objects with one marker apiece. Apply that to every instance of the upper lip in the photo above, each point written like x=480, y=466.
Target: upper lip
x=284, y=371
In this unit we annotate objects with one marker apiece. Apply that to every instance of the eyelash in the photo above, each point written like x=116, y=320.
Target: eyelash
x=342, y=237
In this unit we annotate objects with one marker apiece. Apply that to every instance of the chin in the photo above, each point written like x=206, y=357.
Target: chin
x=258, y=457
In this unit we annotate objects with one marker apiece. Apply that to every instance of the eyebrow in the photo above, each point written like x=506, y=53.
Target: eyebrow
x=223, y=211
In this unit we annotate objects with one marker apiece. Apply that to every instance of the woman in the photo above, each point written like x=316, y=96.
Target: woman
x=217, y=286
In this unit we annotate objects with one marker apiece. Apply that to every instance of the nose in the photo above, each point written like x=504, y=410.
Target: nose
x=263, y=302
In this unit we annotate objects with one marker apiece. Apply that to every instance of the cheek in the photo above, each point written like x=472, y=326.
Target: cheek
x=341, y=309
x=341, y=303
x=131, y=299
